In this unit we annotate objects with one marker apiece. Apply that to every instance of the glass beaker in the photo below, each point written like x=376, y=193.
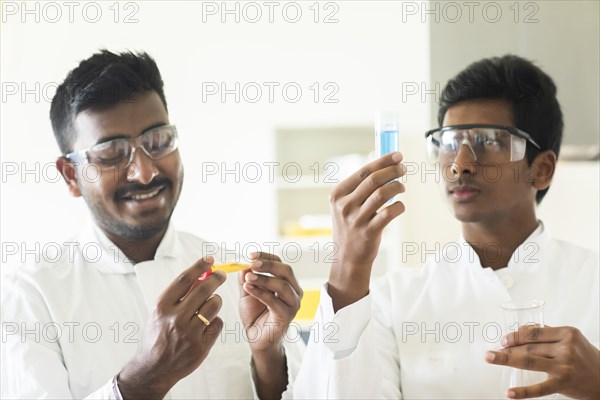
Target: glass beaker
x=517, y=314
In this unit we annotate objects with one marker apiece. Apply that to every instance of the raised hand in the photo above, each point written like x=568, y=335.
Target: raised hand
x=358, y=225
x=270, y=299
x=270, y=302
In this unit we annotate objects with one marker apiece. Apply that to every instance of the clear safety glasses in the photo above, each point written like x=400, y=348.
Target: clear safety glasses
x=156, y=142
x=486, y=143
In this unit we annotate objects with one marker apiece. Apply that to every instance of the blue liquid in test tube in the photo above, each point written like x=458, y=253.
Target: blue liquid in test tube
x=389, y=142
x=387, y=136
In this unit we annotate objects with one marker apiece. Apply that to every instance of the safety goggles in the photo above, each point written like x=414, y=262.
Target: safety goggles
x=487, y=143
x=157, y=143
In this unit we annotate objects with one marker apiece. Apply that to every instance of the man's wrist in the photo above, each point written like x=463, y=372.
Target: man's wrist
x=350, y=276
x=345, y=287
x=132, y=387
x=274, y=352
x=269, y=372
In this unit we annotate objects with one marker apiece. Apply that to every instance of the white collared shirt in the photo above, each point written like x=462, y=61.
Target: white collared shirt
x=70, y=324
x=422, y=332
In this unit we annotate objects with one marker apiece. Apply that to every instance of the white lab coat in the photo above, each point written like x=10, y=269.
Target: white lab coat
x=422, y=332
x=70, y=324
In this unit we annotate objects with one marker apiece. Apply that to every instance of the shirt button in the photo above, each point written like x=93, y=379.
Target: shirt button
x=507, y=281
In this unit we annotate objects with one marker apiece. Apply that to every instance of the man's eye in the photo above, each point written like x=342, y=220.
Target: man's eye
x=448, y=142
x=109, y=152
x=482, y=138
x=157, y=142
x=449, y=145
x=110, y=157
x=106, y=157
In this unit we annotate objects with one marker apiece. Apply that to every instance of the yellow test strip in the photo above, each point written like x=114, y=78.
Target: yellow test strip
x=230, y=267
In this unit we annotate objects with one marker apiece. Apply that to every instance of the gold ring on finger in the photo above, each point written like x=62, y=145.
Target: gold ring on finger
x=203, y=319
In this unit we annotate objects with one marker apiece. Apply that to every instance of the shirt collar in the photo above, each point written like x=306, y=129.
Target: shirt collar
x=529, y=253
x=97, y=249
x=169, y=245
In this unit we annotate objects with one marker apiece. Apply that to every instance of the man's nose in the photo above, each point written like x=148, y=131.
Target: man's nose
x=142, y=168
x=465, y=160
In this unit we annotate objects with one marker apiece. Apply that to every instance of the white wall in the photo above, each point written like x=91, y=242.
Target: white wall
x=367, y=54
x=563, y=38
x=372, y=54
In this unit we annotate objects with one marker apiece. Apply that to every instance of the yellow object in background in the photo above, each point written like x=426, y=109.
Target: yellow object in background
x=296, y=231
x=309, y=225
x=308, y=305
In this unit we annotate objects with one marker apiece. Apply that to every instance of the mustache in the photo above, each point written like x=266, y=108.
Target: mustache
x=467, y=180
x=462, y=184
x=461, y=180
x=137, y=187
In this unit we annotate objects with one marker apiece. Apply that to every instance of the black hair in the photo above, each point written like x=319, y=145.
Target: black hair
x=530, y=91
x=98, y=83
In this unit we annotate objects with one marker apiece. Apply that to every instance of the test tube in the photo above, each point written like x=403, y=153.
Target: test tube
x=387, y=132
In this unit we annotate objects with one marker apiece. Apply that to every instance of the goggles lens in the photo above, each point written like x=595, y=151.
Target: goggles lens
x=157, y=143
x=487, y=145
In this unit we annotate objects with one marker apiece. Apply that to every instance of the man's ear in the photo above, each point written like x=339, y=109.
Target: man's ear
x=543, y=167
x=67, y=170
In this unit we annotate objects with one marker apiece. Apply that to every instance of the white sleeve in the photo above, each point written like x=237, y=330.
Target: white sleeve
x=32, y=366
x=351, y=354
x=294, y=351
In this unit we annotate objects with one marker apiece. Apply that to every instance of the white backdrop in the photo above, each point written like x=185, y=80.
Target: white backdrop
x=367, y=50
x=364, y=54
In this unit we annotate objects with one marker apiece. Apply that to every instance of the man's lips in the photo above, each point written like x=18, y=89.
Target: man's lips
x=140, y=193
x=463, y=192
x=143, y=195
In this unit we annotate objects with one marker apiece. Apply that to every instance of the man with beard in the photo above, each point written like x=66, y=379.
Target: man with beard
x=433, y=332
x=142, y=317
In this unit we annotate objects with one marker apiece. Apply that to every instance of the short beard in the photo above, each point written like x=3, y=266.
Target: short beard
x=109, y=223
x=134, y=233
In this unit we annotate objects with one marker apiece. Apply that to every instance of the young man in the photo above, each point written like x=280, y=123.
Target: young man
x=434, y=332
x=138, y=316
